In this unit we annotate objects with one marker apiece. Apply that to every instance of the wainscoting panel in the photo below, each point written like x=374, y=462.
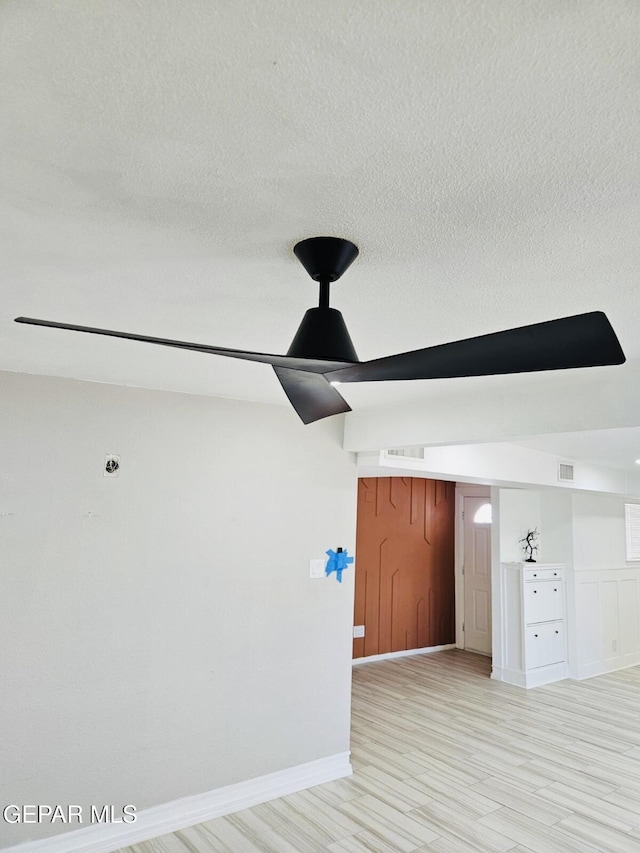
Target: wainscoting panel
x=628, y=603
x=607, y=634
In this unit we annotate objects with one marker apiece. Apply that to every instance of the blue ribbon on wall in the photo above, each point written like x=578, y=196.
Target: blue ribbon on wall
x=338, y=562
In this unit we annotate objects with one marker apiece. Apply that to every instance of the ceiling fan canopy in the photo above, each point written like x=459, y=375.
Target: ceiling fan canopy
x=326, y=258
x=322, y=354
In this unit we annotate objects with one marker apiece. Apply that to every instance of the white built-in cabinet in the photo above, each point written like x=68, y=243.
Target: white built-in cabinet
x=534, y=632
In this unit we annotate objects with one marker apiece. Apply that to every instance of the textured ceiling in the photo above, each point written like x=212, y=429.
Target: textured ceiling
x=161, y=158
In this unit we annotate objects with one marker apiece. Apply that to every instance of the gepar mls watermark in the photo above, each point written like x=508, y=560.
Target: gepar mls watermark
x=68, y=814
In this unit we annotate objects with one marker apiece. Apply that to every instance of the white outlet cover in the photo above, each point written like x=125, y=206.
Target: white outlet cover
x=316, y=568
x=358, y=631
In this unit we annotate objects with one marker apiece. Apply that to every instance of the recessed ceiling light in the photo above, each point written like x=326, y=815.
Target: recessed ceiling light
x=637, y=461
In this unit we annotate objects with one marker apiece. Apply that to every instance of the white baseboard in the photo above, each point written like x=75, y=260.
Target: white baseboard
x=602, y=667
x=389, y=655
x=188, y=811
x=508, y=676
x=533, y=678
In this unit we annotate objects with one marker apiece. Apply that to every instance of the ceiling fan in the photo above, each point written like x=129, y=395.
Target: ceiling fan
x=322, y=355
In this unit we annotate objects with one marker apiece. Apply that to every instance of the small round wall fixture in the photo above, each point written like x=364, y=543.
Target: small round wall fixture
x=111, y=465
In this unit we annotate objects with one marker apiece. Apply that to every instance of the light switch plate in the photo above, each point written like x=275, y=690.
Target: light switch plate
x=316, y=568
x=358, y=631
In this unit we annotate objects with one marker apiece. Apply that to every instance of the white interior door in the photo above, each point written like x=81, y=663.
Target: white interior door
x=477, y=574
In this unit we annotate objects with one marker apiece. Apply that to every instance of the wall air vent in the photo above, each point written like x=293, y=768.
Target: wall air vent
x=565, y=472
x=408, y=452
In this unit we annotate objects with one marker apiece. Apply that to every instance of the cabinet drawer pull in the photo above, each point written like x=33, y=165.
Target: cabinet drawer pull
x=535, y=635
x=535, y=574
x=555, y=574
x=555, y=590
x=557, y=632
x=534, y=591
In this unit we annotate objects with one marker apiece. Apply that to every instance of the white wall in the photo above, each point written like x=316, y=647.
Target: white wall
x=519, y=512
x=598, y=531
x=556, y=525
x=607, y=588
x=498, y=464
x=160, y=635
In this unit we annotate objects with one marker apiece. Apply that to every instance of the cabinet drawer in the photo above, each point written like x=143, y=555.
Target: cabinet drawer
x=544, y=644
x=543, y=574
x=542, y=601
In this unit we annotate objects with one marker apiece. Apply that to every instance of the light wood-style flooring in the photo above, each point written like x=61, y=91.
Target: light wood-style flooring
x=446, y=760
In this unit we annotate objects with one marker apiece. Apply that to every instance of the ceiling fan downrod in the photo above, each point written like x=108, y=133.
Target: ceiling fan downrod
x=323, y=301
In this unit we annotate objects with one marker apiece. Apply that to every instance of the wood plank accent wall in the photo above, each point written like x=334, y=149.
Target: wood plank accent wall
x=404, y=585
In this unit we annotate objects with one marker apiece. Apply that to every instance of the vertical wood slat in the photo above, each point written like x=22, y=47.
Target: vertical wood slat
x=404, y=592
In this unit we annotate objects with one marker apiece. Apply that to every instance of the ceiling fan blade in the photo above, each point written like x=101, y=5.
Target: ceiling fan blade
x=311, y=395
x=584, y=340
x=313, y=365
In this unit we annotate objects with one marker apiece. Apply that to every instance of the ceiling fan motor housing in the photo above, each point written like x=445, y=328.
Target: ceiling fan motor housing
x=323, y=334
